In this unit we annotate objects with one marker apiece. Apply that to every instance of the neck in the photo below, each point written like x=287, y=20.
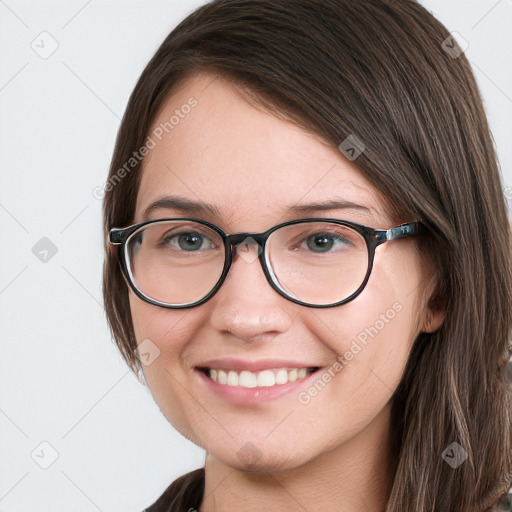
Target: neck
x=355, y=476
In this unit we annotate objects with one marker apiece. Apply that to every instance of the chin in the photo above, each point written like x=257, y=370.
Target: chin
x=252, y=459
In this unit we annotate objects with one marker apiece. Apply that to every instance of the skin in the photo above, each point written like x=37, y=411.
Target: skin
x=334, y=451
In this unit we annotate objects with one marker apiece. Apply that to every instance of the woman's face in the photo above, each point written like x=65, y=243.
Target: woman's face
x=252, y=167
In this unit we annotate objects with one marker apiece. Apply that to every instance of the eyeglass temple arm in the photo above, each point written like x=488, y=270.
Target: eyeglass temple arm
x=402, y=231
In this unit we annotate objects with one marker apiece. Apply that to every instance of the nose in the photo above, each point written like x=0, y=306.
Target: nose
x=246, y=305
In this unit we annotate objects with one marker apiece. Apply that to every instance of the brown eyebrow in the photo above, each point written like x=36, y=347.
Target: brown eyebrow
x=329, y=205
x=199, y=207
x=185, y=205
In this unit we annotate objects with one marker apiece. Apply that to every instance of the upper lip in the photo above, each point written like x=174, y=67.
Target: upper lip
x=235, y=364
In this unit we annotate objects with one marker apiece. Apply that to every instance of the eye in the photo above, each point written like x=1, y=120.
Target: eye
x=324, y=242
x=188, y=241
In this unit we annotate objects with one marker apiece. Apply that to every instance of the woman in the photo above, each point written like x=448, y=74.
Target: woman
x=308, y=260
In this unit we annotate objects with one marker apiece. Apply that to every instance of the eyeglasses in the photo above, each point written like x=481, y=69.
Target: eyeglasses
x=314, y=262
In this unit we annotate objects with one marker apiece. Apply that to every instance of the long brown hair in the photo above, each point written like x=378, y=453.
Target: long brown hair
x=380, y=70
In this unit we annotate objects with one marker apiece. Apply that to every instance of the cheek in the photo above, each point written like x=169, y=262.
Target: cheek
x=371, y=338
x=163, y=326
x=164, y=332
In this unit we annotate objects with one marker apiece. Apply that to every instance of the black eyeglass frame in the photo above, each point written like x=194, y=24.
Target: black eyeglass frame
x=373, y=238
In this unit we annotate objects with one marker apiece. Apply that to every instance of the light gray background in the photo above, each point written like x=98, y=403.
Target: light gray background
x=62, y=381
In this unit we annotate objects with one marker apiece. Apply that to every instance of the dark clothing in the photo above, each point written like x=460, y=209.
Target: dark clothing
x=185, y=494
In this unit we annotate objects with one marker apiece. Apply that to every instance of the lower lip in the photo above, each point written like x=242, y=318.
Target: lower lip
x=239, y=395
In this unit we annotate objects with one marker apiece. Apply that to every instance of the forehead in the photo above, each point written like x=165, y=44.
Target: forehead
x=212, y=145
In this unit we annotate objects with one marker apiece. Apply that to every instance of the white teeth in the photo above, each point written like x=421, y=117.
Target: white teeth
x=281, y=377
x=245, y=379
x=232, y=379
x=265, y=378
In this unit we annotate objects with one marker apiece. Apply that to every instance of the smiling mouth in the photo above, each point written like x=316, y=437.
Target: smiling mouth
x=264, y=378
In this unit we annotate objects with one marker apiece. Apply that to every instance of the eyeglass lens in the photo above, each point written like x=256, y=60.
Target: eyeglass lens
x=180, y=262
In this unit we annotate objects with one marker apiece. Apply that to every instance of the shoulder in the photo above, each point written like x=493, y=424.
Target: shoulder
x=183, y=495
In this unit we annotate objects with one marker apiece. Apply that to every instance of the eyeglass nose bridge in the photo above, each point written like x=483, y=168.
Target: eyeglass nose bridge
x=235, y=240
x=238, y=238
